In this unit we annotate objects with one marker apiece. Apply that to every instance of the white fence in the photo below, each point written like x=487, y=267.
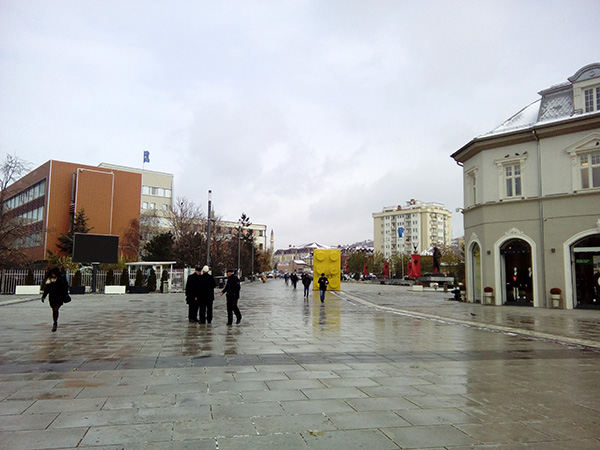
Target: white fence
x=10, y=279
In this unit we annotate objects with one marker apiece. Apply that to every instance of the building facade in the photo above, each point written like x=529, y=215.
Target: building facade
x=532, y=200
x=47, y=199
x=413, y=228
x=157, y=192
x=259, y=232
x=294, y=257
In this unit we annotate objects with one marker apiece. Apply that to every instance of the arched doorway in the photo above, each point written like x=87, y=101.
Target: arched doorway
x=476, y=272
x=586, y=271
x=517, y=272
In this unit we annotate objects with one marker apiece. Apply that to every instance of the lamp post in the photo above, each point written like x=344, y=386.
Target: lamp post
x=252, y=257
x=239, y=245
x=208, y=229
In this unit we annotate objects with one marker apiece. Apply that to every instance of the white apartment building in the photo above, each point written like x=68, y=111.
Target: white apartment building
x=413, y=228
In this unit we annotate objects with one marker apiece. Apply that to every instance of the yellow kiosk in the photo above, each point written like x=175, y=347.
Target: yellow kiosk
x=329, y=263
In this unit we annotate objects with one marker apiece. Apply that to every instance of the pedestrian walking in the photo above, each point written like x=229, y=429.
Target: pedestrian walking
x=323, y=282
x=294, y=279
x=57, y=289
x=206, y=295
x=232, y=289
x=192, y=289
x=306, y=280
x=286, y=277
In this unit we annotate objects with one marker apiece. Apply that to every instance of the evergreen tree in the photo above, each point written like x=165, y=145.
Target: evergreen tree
x=65, y=241
x=159, y=248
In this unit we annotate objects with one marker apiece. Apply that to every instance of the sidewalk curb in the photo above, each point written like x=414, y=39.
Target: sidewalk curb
x=483, y=326
x=18, y=300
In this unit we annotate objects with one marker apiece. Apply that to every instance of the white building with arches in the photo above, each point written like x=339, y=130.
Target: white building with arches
x=532, y=200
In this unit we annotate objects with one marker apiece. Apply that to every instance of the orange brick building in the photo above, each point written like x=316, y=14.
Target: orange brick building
x=47, y=198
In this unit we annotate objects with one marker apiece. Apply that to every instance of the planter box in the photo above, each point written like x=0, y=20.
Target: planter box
x=138, y=289
x=28, y=290
x=417, y=288
x=77, y=290
x=114, y=289
x=556, y=301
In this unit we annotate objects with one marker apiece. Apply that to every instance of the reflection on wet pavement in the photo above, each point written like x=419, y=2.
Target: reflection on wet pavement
x=131, y=372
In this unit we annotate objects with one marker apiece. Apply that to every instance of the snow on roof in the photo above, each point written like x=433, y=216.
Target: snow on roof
x=525, y=118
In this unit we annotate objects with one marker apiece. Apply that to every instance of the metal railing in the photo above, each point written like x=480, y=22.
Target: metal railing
x=10, y=279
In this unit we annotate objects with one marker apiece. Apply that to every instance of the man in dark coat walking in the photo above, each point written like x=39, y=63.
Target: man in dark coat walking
x=206, y=295
x=306, y=280
x=323, y=282
x=232, y=289
x=192, y=289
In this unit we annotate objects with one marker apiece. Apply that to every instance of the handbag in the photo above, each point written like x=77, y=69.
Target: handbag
x=67, y=299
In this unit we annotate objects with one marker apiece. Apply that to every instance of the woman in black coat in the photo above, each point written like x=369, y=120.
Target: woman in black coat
x=57, y=289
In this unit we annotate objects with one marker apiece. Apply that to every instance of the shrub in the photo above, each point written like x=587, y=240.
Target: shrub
x=139, y=278
x=110, y=278
x=76, y=281
x=488, y=289
x=125, y=277
x=29, y=281
x=163, y=277
x=555, y=291
x=152, y=280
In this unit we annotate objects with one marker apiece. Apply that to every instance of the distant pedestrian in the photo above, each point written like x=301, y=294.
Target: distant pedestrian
x=306, y=280
x=57, y=289
x=294, y=279
x=192, y=289
x=232, y=289
x=323, y=282
x=206, y=295
x=286, y=277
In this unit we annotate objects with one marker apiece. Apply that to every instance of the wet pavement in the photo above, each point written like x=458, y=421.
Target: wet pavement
x=374, y=367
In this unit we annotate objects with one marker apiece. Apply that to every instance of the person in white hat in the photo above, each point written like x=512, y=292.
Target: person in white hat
x=206, y=295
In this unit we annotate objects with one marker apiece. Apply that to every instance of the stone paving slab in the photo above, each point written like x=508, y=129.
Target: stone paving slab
x=373, y=367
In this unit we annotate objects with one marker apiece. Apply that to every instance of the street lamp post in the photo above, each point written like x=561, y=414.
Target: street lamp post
x=239, y=245
x=252, y=257
x=208, y=229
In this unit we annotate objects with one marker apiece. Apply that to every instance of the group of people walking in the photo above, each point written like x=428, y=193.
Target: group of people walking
x=200, y=295
x=306, y=279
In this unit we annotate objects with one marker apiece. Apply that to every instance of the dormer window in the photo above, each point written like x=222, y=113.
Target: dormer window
x=592, y=99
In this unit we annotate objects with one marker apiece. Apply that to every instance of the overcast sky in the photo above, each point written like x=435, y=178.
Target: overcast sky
x=307, y=115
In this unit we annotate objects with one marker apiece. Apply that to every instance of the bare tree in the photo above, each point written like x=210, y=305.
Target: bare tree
x=130, y=244
x=187, y=222
x=12, y=230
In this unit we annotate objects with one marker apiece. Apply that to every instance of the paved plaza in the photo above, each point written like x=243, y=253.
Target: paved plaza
x=374, y=367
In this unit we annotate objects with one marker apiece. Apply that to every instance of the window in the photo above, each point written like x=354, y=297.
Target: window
x=592, y=99
x=590, y=170
x=145, y=205
x=512, y=178
x=472, y=188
